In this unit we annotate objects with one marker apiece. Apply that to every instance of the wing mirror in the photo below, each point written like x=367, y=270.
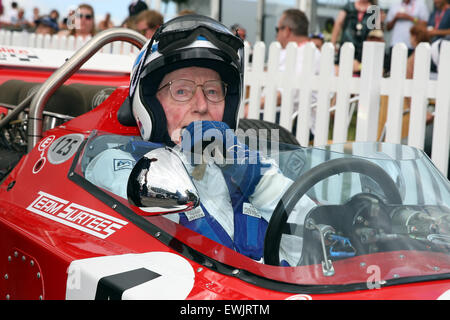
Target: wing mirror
x=159, y=183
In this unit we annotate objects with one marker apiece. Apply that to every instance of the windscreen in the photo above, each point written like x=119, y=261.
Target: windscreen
x=330, y=216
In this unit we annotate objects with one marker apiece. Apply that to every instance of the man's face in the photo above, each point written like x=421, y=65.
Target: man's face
x=282, y=33
x=142, y=26
x=242, y=33
x=181, y=114
x=85, y=20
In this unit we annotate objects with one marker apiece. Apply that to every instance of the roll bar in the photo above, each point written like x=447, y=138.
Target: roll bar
x=68, y=69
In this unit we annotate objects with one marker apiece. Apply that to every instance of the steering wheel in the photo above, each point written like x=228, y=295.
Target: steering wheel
x=303, y=183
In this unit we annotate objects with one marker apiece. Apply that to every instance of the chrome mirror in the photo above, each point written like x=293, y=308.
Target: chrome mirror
x=159, y=183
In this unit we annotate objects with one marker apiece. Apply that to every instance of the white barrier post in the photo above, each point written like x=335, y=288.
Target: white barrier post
x=289, y=83
x=419, y=98
x=32, y=41
x=325, y=78
x=47, y=41
x=441, y=133
x=273, y=81
x=40, y=41
x=369, y=97
x=255, y=79
x=304, y=108
x=2, y=36
x=341, y=117
x=396, y=94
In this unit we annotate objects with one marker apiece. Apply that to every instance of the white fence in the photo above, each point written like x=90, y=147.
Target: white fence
x=370, y=86
x=32, y=40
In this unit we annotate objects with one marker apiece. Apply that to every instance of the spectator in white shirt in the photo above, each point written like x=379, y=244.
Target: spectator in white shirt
x=402, y=17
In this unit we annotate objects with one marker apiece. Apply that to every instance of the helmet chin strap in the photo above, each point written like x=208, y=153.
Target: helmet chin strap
x=159, y=130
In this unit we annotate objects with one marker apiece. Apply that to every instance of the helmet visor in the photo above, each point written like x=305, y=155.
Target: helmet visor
x=192, y=21
x=181, y=31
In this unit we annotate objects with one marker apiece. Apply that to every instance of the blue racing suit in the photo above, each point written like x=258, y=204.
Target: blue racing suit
x=237, y=199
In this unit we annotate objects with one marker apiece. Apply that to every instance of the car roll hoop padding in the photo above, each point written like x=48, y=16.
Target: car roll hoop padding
x=71, y=66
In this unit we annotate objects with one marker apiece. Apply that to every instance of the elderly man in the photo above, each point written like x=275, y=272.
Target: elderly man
x=185, y=85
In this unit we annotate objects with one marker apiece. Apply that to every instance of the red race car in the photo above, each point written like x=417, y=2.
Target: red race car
x=379, y=227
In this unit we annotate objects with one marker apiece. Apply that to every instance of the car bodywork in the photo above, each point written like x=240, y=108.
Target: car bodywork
x=62, y=237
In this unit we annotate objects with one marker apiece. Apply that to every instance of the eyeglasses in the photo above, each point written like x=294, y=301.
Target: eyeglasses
x=183, y=90
x=279, y=28
x=87, y=16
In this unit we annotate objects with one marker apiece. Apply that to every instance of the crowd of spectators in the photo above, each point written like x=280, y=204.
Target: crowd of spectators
x=80, y=21
x=407, y=21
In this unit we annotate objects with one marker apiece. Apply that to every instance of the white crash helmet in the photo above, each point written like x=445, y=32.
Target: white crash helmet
x=185, y=41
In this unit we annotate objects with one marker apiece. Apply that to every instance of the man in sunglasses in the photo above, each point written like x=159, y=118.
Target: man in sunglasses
x=293, y=27
x=81, y=23
x=185, y=92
